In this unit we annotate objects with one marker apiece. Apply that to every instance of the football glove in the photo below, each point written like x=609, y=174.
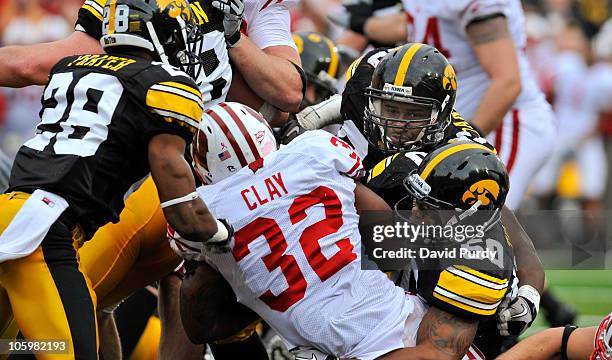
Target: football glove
x=188, y=250
x=322, y=114
x=290, y=131
x=519, y=313
x=232, y=19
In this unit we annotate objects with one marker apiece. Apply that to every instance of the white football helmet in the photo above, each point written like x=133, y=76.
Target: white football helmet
x=230, y=137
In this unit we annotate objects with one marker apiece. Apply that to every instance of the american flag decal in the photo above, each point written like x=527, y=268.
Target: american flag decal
x=224, y=155
x=48, y=201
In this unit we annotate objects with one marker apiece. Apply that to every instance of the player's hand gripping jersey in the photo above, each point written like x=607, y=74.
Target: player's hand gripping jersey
x=354, y=103
x=295, y=257
x=214, y=74
x=99, y=113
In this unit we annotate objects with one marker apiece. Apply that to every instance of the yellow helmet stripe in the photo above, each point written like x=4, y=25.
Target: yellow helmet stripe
x=403, y=68
x=111, y=19
x=333, y=65
x=448, y=152
x=351, y=69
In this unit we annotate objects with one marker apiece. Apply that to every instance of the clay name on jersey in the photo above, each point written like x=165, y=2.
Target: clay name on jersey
x=265, y=192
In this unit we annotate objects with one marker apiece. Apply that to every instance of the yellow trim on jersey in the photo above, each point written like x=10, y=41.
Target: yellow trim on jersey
x=175, y=104
x=481, y=275
x=403, y=68
x=100, y=2
x=93, y=11
x=381, y=166
x=448, y=152
x=111, y=20
x=351, y=69
x=335, y=59
x=188, y=88
x=465, y=307
x=470, y=290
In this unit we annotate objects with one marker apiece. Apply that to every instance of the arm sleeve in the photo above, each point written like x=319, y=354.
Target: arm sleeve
x=332, y=152
x=480, y=9
x=271, y=27
x=90, y=18
x=462, y=290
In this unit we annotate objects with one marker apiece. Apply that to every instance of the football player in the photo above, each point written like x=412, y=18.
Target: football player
x=107, y=120
x=295, y=255
x=484, y=40
x=460, y=184
x=395, y=98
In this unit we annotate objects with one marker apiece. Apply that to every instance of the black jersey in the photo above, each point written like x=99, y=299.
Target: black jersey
x=467, y=287
x=214, y=75
x=461, y=286
x=98, y=115
x=359, y=76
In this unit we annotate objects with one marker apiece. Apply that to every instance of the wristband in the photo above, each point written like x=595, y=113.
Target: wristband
x=221, y=235
x=189, y=197
x=569, y=329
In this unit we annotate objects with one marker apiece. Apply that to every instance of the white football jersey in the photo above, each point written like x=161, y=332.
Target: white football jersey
x=442, y=23
x=268, y=22
x=295, y=256
x=596, y=95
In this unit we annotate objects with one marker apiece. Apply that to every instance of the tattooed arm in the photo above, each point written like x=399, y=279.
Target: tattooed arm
x=496, y=53
x=441, y=336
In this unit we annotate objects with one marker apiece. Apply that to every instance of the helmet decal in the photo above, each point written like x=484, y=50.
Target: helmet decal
x=449, y=81
x=176, y=8
x=484, y=190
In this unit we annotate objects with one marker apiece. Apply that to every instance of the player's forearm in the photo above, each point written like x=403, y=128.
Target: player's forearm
x=541, y=346
x=529, y=267
x=387, y=29
x=26, y=65
x=273, y=78
x=174, y=180
x=496, y=102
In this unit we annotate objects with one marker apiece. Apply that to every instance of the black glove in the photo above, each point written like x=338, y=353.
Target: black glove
x=290, y=131
x=232, y=20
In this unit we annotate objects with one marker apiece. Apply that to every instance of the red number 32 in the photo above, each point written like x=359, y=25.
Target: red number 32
x=309, y=241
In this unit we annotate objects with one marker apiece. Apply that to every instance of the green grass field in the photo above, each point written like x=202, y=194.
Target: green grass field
x=589, y=291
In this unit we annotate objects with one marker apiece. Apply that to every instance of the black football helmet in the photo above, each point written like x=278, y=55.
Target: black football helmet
x=410, y=99
x=464, y=177
x=163, y=27
x=321, y=62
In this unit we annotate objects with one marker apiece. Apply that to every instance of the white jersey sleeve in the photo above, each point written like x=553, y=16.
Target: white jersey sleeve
x=480, y=9
x=333, y=152
x=268, y=22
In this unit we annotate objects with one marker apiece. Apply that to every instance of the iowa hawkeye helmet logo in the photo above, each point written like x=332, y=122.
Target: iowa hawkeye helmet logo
x=449, y=81
x=176, y=8
x=486, y=191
